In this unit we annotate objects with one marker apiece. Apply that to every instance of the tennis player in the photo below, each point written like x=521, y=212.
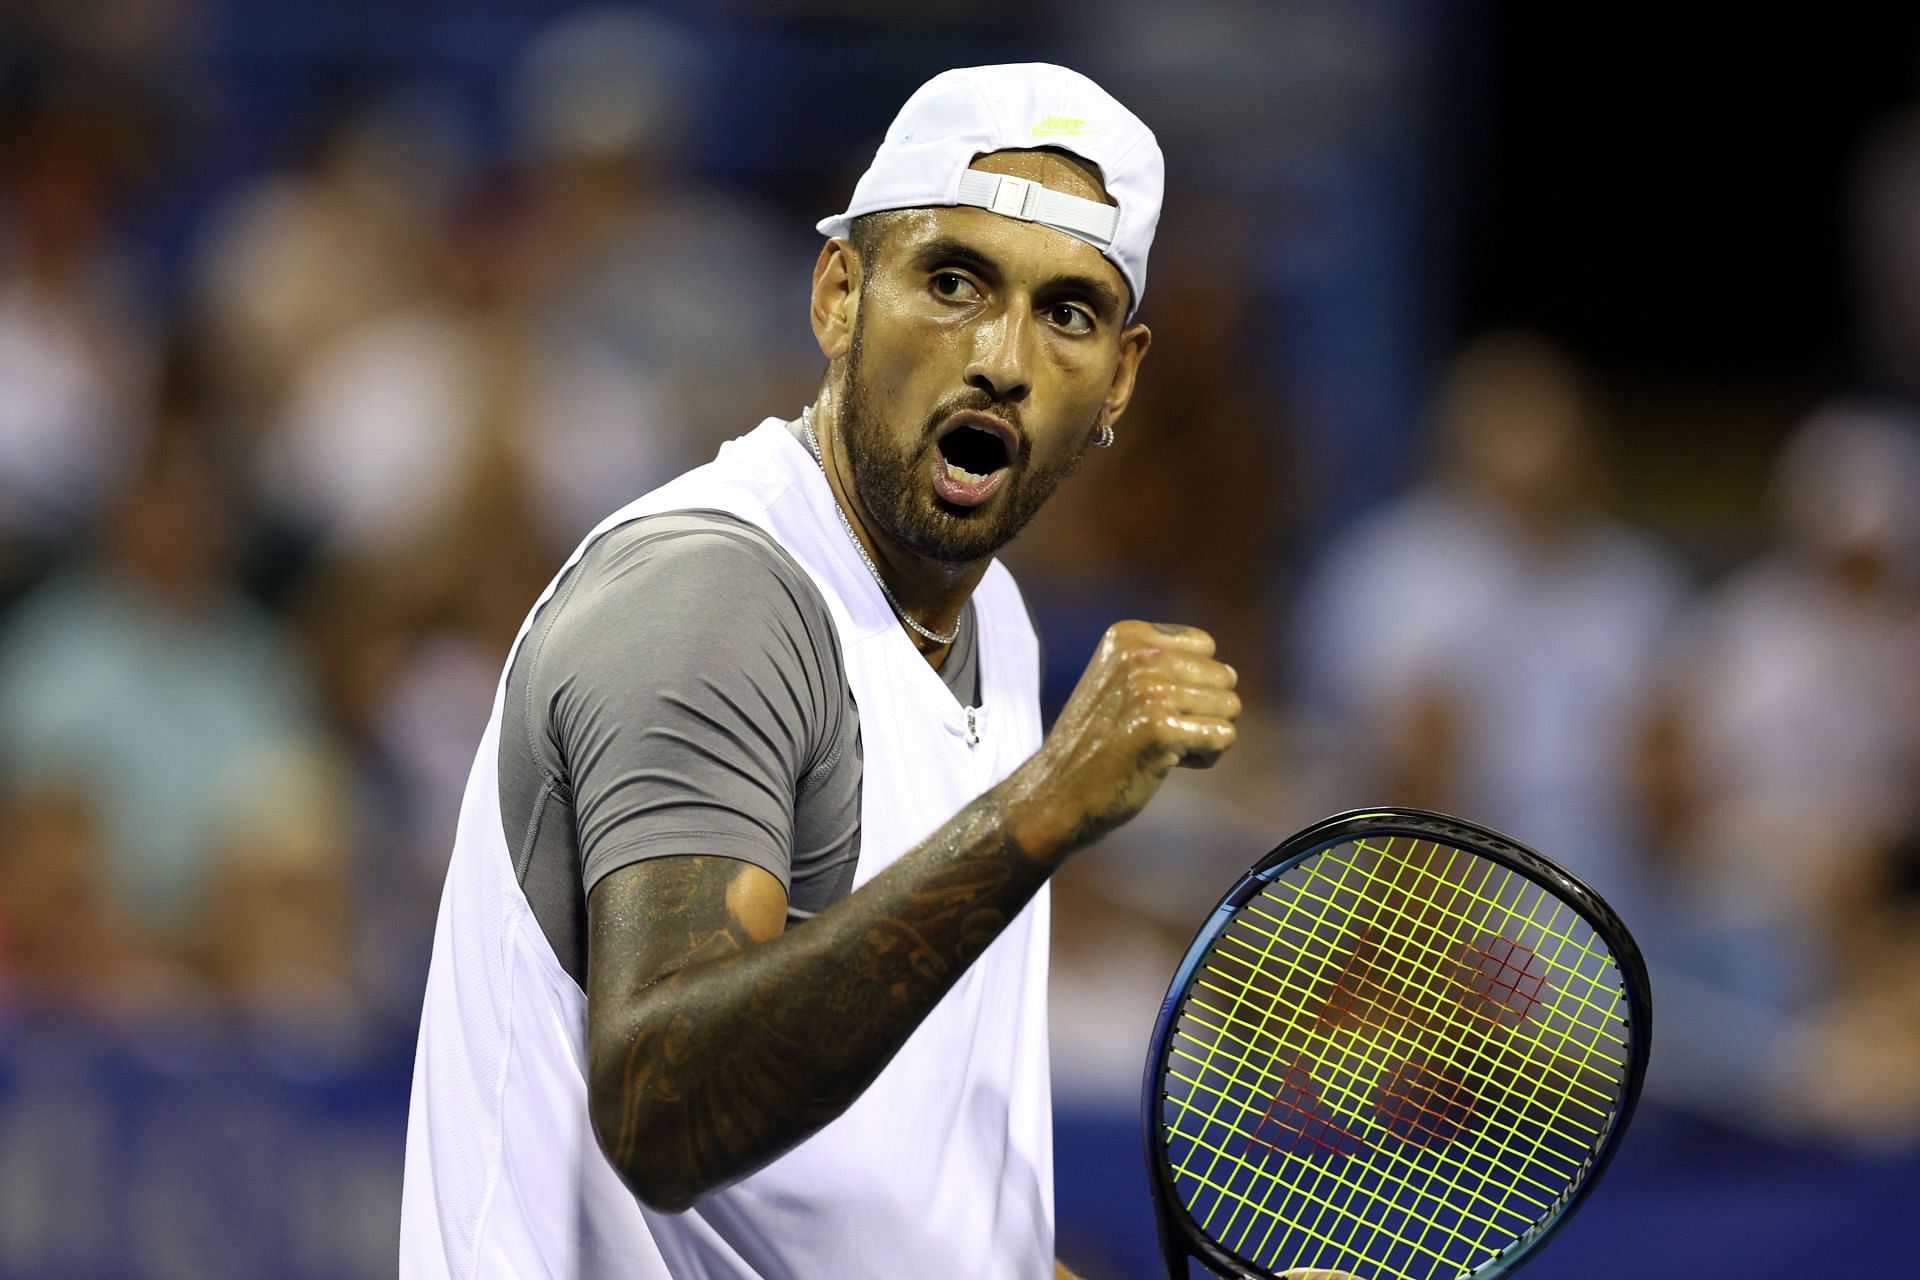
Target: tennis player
x=740, y=970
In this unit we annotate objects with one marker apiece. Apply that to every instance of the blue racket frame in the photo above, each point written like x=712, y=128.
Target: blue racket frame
x=1181, y=1238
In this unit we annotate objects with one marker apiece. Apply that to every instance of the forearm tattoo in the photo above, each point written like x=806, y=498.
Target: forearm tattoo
x=705, y=1074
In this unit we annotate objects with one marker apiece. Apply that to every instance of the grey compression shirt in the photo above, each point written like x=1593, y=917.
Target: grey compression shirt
x=682, y=692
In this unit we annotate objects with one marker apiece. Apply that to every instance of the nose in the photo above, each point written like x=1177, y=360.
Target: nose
x=999, y=366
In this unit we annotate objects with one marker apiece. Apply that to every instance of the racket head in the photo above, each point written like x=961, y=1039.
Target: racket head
x=1403, y=1045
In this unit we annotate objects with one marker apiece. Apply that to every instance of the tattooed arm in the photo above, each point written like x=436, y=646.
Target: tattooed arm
x=715, y=1042
x=756, y=1041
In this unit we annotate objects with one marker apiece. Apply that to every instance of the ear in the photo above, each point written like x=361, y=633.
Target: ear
x=836, y=298
x=1134, y=341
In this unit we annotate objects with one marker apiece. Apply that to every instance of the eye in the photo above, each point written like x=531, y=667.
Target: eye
x=954, y=287
x=1070, y=318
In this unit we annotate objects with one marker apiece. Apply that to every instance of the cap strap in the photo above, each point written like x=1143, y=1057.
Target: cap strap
x=1027, y=200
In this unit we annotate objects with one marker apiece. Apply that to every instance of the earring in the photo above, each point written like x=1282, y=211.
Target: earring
x=1103, y=438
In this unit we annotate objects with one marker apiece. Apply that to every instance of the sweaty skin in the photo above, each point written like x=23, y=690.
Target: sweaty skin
x=965, y=309
x=716, y=1040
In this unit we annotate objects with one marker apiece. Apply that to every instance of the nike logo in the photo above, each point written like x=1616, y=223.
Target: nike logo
x=1062, y=127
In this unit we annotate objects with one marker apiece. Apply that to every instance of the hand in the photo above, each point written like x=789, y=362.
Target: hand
x=1152, y=698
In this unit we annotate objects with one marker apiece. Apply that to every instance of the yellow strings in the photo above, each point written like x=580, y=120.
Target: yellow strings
x=1415, y=990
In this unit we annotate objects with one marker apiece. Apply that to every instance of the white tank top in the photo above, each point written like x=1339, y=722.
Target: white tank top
x=943, y=1167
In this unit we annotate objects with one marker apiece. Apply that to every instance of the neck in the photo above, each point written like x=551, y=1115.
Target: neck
x=931, y=592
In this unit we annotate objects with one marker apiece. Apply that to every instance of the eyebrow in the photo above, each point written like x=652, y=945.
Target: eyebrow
x=1098, y=292
x=949, y=250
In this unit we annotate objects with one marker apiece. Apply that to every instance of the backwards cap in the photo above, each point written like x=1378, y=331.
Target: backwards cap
x=960, y=115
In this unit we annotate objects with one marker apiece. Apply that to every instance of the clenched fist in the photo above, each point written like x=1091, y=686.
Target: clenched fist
x=1152, y=698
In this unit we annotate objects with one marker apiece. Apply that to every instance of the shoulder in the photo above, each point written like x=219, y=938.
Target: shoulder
x=685, y=600
x=695, y=565
x=673, y=541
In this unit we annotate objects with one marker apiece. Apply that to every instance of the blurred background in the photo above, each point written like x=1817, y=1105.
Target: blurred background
x=1533, y=414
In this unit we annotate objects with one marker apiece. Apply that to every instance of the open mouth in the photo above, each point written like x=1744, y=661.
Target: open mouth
x=973, y=453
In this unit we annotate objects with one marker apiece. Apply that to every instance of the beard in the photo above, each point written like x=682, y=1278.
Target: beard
x=892, y=475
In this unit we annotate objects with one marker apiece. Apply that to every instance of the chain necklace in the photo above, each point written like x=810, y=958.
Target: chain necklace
x=813, y=444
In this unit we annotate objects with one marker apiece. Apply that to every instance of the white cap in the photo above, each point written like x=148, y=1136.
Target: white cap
x=960, y=115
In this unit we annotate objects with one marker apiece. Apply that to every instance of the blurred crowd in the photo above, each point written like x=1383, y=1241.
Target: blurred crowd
x=269, y=522
x=263, y=545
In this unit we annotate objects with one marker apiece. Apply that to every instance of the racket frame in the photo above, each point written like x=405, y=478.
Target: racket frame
x=1181, y=1238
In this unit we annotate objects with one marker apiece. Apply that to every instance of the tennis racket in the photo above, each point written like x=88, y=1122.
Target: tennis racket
x=1403, y=1046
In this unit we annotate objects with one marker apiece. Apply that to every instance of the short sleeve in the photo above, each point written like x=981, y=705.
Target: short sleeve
x=684, y=690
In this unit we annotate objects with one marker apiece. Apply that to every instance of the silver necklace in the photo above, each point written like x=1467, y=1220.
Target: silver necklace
x=813, y=445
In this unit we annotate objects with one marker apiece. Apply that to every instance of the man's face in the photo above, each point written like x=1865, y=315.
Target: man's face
x=985, y=352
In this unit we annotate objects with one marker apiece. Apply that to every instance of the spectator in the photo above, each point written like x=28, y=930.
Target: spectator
x=276, y=933
x=1492, y=631
x=75, y=372
x=465, y=400
x=302, y=256
x=65, y=947
x=143, y=677
x=1855, y=1069
x=648, y=256
x=1792, y=722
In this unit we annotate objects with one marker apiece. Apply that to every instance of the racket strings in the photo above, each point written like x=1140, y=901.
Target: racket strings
x=1481, y=1033
x=1387, y=1027
x=1367, y=1010
x=1414, y=948
x=1241, y=1197
x=1251, y=1047
x=1535, y=1157
x=1243, y=1201
x=1469, y=1030
x=1270, y=1219
x=1264, y=1078
x=1547, y=1190
x=1353, y=1187
x=1415, y=945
